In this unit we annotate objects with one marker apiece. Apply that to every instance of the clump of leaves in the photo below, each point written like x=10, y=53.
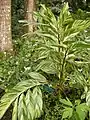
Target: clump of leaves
x=63, y=50
x=28, y=103
x=56, y=52
x=59, y=44
x=21, y=84
x=74, y=112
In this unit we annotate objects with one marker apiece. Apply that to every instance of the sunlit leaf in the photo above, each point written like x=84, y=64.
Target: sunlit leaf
x=82, y=110
x=12, y=94
x=37, y=76
x=22, y=110
x=37, y=101
x=88, y=98
x=30, y=105
x=46, y=66
x=66, y=102
x=68, y=112
x=15, y=110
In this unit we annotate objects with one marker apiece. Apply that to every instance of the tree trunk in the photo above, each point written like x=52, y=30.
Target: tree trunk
x=30, y=7
x=5, y=25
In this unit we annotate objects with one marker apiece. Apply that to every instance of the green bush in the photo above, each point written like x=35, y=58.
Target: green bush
x=58, y=52
x=64, y=50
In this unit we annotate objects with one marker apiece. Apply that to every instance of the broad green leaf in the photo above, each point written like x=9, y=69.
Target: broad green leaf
x=70, y=36
x=37, y=76
x=46, y=66
x=64, y=15
x=79, y=78
x=15, y=110
x=70, y=56
x=52, y=37
x=80, y=62
x=65, y=8
x=81, y=44
x=60, y=46
x=30, y=105
x=41, y=53
x=80, y=25
x=34, y=103
x=53, y=27
x=12, y=94
x=75, y=116
x=22, y=110
x=82, y=110
x=37, y=101
x=88, y=98
x=77, y=102
x=66, y=102
x=68, y=112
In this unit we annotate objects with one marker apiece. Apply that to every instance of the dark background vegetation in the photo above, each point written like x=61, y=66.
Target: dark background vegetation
x=18, y=11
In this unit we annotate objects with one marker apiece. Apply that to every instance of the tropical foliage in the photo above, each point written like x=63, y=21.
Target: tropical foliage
x=63, y=49
x=57, y=52
x=28, y=103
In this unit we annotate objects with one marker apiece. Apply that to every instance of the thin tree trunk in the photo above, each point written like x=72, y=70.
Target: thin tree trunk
x=5, y=25
x=30, y=8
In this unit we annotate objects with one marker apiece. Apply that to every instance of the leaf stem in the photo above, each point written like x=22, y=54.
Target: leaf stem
x=62, y=69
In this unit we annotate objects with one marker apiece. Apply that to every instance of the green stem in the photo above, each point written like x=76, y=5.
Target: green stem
x=59, y=52
x=63, y=67
x=58, y=42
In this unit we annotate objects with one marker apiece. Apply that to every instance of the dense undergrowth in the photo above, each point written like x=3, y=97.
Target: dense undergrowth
x=53, y=64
